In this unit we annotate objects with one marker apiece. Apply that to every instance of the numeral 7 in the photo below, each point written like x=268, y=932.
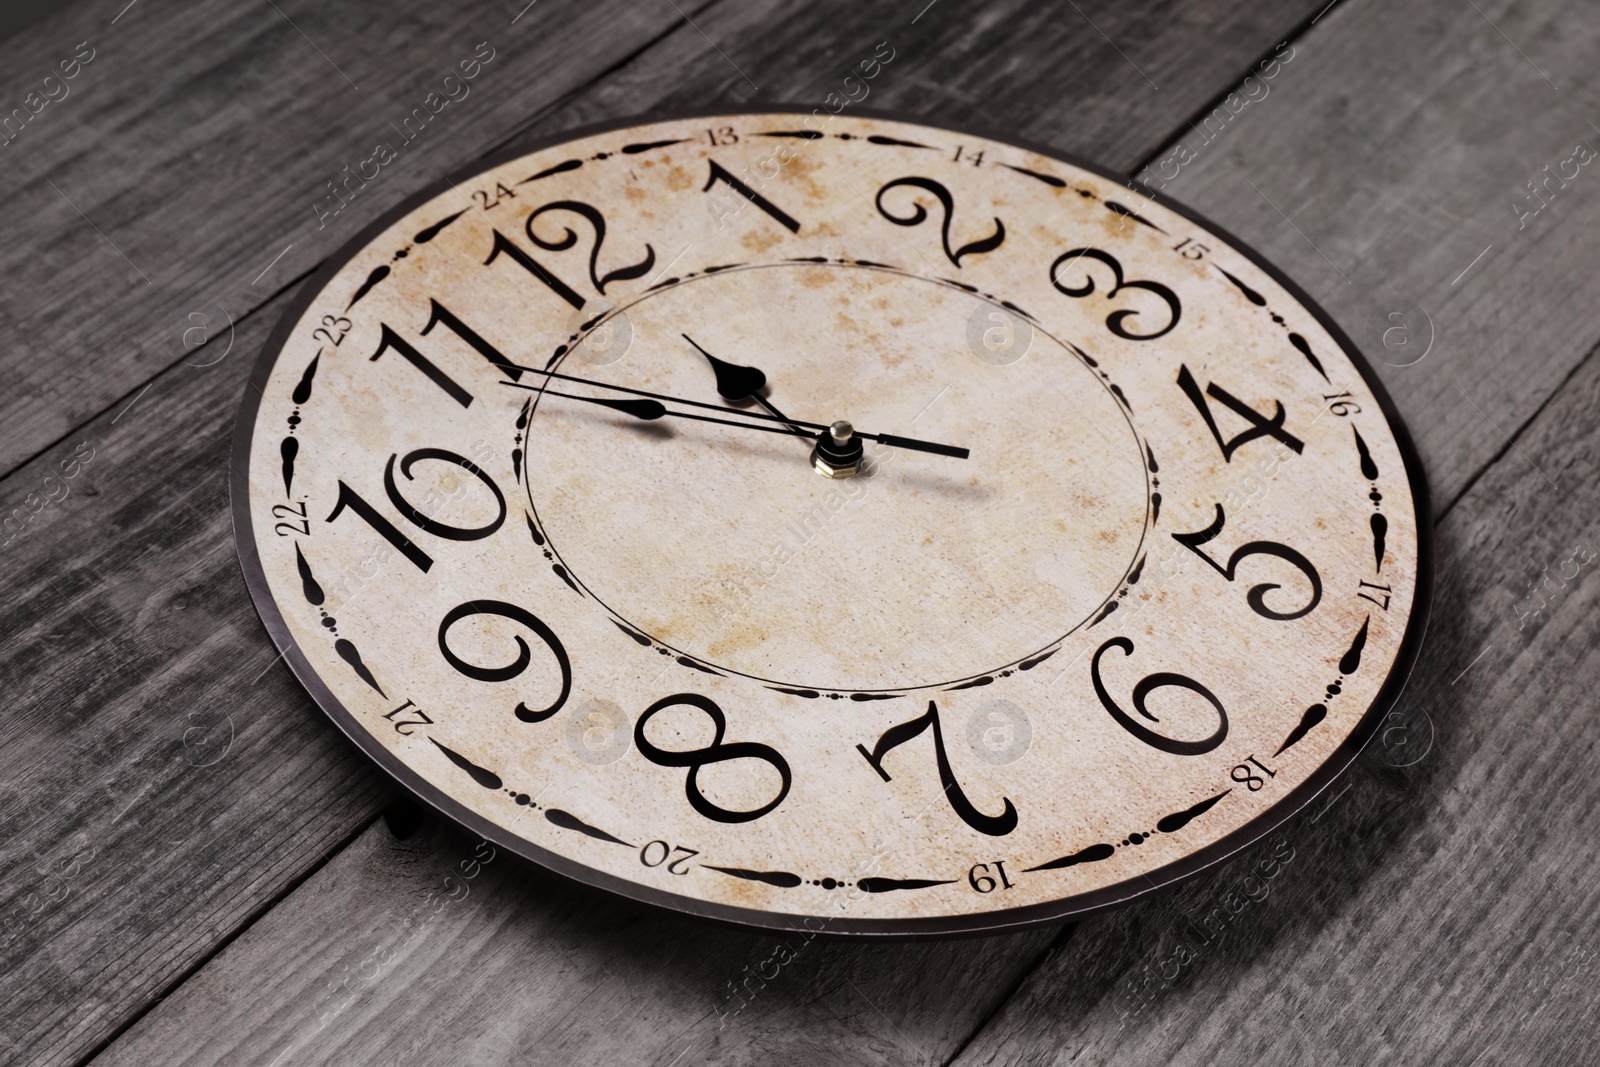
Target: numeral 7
x=1384, y=590
x=895, y=736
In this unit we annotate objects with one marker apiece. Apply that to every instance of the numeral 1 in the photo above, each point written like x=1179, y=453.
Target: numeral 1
x=439, y=315
x=1260, y=425
x=776, y=212
x=982, y=882
x=348, y=497
x=1250, y=779
x=1341, y=404
x=389, y=339
x=1383, y=589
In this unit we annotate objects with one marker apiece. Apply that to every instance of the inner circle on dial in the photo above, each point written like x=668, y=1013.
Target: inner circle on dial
x=725, y=545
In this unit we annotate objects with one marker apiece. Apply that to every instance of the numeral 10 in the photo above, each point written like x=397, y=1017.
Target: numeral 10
x=356, y=503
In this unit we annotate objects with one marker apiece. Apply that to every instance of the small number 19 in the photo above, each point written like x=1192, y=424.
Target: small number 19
x=982, y=882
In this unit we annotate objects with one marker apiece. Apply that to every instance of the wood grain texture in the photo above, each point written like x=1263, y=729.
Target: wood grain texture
x=1387, y=155
x=130, y=648
x=1444, y=911
x=1430, y=914
x=415, y=951
x=167, y=778
x=190, y=151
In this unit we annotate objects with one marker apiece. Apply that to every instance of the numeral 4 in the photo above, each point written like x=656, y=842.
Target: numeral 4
x=1260, y=425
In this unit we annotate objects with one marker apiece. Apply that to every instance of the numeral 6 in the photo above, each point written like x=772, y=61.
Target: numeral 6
x=1142, y=690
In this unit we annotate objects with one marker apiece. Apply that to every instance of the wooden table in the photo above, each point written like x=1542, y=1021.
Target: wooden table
x=198, y=869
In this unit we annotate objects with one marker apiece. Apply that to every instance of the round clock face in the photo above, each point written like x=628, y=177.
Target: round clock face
x=831, y=523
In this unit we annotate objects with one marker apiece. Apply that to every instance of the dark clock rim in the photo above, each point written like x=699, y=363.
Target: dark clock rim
x=975, y=924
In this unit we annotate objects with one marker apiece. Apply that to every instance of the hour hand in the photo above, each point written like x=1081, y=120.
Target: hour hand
x=733, y=381
x=736, y=383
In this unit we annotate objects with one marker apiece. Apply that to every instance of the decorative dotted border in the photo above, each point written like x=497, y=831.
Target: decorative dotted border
x=1313, y=716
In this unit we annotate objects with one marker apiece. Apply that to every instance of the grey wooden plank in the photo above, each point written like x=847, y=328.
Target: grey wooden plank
x=165, y=780
x=188, y=154
x=107, y=659
x=415, y=952
x=1074, y=77
x=192, y=148
x=1385, y=157
x=1443, y=912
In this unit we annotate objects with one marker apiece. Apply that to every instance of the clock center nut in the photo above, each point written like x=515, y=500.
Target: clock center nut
x=838, y=451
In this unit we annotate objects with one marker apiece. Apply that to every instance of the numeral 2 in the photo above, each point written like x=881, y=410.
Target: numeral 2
x=293, y=519
x=418, y=717
x=533, y=267
x=664, y=853
x=569, y=238
x=919, y=213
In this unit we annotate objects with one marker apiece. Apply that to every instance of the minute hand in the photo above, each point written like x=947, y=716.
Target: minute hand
x=651, y=408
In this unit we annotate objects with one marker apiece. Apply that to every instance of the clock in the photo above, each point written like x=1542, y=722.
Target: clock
x=831, y=522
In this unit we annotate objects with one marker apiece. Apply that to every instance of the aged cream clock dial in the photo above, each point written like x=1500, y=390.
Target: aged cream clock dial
x=831, y=522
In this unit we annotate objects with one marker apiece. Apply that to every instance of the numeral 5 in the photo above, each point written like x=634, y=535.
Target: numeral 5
x=1256, y=595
